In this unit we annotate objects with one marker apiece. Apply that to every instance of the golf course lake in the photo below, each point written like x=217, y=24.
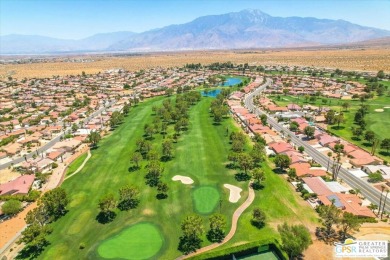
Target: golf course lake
x=231, y=82
x=211, y=93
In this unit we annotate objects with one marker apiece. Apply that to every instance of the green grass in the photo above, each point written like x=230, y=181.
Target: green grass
x=206, y=199
x=280, y=203
x=76, y=164
x=201, y=153
x=261, y=256
x=142, y=241
x=376, y=121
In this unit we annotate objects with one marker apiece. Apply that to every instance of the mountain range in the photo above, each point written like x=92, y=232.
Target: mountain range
x=237, y=30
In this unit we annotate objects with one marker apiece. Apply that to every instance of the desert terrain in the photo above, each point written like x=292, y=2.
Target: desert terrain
x=360, y=59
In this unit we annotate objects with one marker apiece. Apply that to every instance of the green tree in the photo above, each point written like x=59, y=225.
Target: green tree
x=282, y=161
x=349, y=222
x=106, y=204
x=54, y=202
x=375, y=177
x=369, y=136
x=167, y=149
x=162, y=189
x=258, y=177
x=263, y=119
x=380, y=74
x=309, y=131
x=339, y=119
x=245, y=162
x=74, y=127
x=385, y=144
x=136, y=157
x=154, y=173
x=192, y=228
x=216, y=232
x=357, y=132
x=295, y=239
x=34, y=238
x=301, y=149
x=346, y=105
x=258, y=218
x=258, y=153
x=11, y=207
x=330, y=117
x=294, y=126
x=94, y=138
x=330, y=216
x=129, y=198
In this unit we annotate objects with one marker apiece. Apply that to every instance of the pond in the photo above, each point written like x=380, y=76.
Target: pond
x=231, y=82
x=211, y=93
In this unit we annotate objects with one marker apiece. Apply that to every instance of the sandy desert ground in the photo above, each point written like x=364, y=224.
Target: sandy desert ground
x=361, y=59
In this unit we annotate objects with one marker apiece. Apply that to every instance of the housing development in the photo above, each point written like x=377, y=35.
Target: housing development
x=212, y=139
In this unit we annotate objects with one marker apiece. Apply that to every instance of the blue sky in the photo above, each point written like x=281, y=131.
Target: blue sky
x=75, y=19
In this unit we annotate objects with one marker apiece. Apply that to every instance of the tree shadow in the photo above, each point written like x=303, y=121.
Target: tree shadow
x=242, y=176
x=133, y=168
x=31, y=252
x=278, y=171
x=257, y=224
x=384, y=153
x=165, y=158
x=161, y=196
x=105, y=217
x=257, y=186
x=367, y=144
x=231, y=166
x=338, y=127
x=355, y=138
x=128, y=204
x=216, y=123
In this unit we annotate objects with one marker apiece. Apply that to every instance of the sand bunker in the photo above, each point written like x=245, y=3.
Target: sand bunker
x=379, y=110
x=386, y=107
x=234, y=192
x=183, y=179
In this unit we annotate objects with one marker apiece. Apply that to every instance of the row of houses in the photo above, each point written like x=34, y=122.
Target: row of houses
x=312, y=177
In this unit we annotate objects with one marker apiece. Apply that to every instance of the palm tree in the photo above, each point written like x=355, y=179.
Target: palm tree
x=329, y=155
x=380, y=200
x=384, y=203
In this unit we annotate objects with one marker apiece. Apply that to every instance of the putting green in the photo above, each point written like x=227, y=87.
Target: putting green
x=206, y=199
x=140, y=241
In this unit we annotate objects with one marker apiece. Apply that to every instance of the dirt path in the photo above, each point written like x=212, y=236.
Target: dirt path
x=81, y=166
x=236, y=216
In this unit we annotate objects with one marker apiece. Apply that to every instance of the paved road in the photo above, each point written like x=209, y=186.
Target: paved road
x=368, y=191
x=52, y=142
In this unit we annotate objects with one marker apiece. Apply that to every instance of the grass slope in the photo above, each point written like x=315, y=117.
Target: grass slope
x=76, y=164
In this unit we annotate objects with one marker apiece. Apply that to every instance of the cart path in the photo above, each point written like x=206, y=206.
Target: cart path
x=236, y=216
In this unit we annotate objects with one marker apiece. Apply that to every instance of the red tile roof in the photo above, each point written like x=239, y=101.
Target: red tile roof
x=20, y=185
